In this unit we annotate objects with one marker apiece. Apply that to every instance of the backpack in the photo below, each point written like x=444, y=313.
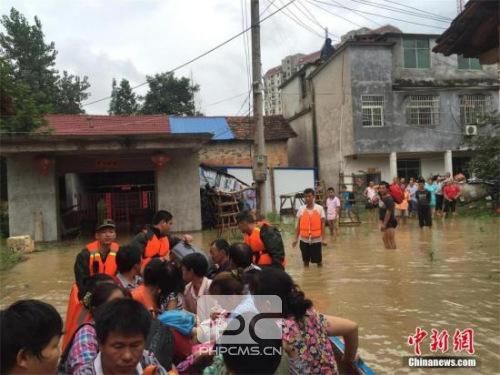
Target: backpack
x=396, y=193
x=271, y=237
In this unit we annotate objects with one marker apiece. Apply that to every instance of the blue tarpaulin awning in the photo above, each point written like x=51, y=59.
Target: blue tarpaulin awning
x=216, y=125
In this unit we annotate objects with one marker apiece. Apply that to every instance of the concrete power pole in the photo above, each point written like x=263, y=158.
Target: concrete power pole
x=259, y=167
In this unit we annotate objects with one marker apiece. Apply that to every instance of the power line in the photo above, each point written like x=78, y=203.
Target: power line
x=301, y=24
x=226, y=99
x=336, y=15
x=399, y=10
x=420, y=10
x=377, y=15
x=204, y=53
x=312, y=18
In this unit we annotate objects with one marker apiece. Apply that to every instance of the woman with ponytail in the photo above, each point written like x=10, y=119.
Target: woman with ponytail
x=305, y=331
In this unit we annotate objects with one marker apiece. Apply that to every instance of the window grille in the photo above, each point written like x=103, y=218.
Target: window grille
x=472, y=108
x=372, y=107
x=423, y=111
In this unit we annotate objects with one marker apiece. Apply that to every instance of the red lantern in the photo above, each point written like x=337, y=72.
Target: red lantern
x=160, y=160
x=43, y=164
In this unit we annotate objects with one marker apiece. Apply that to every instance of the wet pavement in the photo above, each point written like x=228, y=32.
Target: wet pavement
x=444, y=278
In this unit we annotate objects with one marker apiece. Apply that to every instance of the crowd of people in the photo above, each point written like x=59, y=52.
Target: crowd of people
x=133, y=308
x=435, y=197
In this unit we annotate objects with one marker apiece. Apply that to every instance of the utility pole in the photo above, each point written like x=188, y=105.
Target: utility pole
x=259, y=167
x=326, y=33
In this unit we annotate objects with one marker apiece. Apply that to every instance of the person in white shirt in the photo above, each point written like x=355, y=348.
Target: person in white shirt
x=194, y=268
x=310, y=230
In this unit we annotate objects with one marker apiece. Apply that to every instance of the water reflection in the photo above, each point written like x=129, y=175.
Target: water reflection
x=444, y=278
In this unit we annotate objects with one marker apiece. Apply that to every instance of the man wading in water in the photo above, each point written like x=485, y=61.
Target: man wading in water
x=388, y=222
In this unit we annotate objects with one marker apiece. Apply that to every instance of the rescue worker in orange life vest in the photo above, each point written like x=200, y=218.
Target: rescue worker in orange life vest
x=264, y=240
x=155, y=241
x=98, y=256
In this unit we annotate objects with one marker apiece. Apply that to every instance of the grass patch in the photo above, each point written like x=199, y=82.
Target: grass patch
x=477, y=210
x=9, y=259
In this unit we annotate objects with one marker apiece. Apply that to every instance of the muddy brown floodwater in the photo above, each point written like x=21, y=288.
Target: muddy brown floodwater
x=444, y=278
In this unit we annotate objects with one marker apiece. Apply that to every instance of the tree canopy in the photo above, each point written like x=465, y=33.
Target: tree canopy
x=123, y=99
x=30, y=82
x=170, y=95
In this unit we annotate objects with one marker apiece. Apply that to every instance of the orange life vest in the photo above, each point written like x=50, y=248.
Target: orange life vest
x=96, y=265
x=141, y=294
x=260, y=254
x=310, y=224
x=155, y=247
x=76, y=315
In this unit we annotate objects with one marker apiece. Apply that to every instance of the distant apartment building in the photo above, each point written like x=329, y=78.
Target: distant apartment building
x=274, y=77
x=385, y=105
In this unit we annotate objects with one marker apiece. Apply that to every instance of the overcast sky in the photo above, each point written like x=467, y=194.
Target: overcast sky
x=134, y=38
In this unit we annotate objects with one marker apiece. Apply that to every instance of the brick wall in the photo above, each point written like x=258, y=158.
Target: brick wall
x=239, y=154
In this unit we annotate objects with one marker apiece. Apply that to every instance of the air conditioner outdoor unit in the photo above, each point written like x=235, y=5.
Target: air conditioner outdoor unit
x=471, y=130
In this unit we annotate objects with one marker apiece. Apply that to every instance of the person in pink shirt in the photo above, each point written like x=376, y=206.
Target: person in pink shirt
x=332, y=208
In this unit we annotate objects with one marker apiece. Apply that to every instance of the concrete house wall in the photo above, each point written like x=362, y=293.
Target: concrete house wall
x=333, y=106
x=31, y=193
x=297, y=109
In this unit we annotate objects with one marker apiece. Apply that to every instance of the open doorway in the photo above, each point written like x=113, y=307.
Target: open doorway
x=129, y=198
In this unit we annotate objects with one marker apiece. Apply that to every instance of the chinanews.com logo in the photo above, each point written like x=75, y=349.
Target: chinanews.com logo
x=241, y=325
x=440, y=342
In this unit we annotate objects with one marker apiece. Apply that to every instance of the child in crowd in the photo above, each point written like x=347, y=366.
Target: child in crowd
x=402, y=208
x=194, y=268
x=128, y=262
x=424, y=199
x=347, y=200
x=310, y=230
x=30, y=331
x=431, y=185
x=332, y=210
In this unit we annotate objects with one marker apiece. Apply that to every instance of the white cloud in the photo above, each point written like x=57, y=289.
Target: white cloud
x=132, y=38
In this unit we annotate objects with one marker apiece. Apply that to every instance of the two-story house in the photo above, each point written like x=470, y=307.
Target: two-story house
x=384, y=104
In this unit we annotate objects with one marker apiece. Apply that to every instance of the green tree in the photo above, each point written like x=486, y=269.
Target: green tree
x=485, y=162
x=70, y=93
x=33, y=86
x=32, y=61
x=21, y=109
x=123, y=99
x=170, y=95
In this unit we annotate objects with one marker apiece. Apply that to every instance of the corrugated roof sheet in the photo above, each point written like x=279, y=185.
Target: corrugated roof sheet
x=217, y=126
x=101, y=125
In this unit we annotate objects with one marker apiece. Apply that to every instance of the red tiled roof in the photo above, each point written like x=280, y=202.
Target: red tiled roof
x=275, y=128
x=272, y=71
x=107, y=125
x=312, y=57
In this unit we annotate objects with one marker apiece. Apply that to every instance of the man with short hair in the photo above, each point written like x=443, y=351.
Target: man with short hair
x=30, y=331
x=155, y=240
x=264, y=240
x=424, y=198
x=451, y=193
x=388, y=222
x=412, y=189
x=310, y=230
x=128, y=261
x=219, y=252
x=98, y=256
x=240, y=255
x=122, y=327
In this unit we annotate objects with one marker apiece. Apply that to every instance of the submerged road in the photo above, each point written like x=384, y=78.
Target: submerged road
x=446, y=278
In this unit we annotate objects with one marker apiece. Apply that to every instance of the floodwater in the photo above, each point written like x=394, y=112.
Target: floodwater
x=444, y=278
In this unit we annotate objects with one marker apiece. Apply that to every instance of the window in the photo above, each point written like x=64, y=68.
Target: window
x=472, y=108
x=416, y=53
x=372, y=107
x=408, y=168
x=423, y=111
x=469, y=63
